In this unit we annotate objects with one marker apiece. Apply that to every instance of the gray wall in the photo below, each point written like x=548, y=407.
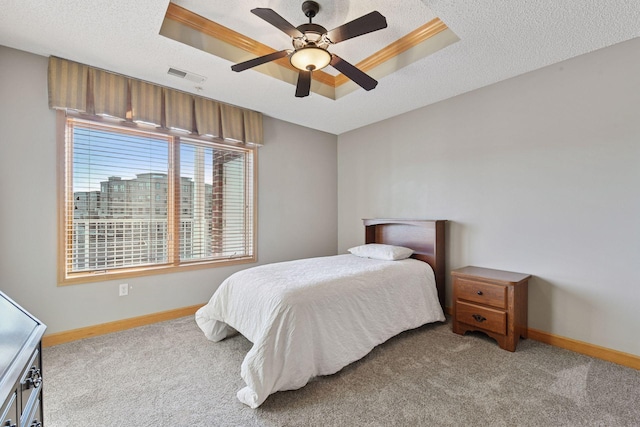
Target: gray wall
x=297, y=205
x=538, y=174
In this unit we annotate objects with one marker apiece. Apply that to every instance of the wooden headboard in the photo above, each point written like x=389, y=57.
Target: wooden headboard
x=425, y=237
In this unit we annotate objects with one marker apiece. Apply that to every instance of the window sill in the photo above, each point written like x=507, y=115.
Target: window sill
x=105, y=276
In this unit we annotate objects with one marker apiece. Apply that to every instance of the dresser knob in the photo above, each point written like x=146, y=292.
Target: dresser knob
x=9, y=423
x=34, y=379
x=479, y=292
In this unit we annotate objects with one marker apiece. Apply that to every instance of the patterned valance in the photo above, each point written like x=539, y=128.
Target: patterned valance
x=90, y=90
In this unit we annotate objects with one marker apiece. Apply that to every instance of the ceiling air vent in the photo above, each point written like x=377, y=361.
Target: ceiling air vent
x=188, y=75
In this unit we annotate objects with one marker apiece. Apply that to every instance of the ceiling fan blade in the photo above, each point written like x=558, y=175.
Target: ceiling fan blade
x=277, y=21
x=304, y=84
x=359, y=77
x=368, y=23
x=259, y=61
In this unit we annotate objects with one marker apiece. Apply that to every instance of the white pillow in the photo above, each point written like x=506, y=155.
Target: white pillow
x=380, y=251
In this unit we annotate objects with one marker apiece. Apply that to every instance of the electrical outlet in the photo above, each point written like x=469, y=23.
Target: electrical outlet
x=123, y=290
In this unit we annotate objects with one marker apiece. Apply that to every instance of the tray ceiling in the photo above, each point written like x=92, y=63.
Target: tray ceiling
x=497, y=40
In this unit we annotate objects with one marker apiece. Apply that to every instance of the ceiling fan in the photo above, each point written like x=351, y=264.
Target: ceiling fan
x=310, y=46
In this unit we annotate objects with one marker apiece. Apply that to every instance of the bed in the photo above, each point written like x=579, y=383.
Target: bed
x=312, y=317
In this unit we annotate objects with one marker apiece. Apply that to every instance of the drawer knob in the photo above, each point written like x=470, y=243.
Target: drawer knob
x=35, y=423
x=479, y=292
x=8, y=423
x=479, y=318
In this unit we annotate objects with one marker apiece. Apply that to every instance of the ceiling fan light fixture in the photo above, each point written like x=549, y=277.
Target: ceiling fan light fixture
x=310, y=46
x=310, y=58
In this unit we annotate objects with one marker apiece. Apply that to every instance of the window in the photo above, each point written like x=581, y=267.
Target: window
x=145, y=202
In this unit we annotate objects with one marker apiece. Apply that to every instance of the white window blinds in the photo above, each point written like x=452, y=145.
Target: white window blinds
x=216, y=208
x=118, y=184
x=136, y=200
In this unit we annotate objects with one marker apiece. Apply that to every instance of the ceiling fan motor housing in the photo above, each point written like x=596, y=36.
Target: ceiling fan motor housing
x=312, y=33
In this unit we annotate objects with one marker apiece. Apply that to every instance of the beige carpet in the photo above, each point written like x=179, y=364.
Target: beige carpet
x=168, y=374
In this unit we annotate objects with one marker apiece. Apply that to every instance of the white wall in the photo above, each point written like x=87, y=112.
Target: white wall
x=539, y=174
x=297, y=205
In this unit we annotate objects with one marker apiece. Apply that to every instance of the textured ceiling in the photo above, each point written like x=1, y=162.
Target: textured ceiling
x=498, y=40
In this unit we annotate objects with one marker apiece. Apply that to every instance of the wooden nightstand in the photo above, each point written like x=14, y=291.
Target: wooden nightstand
x=491, y=301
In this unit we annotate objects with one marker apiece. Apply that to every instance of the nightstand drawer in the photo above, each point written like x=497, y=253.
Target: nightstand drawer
x=482, y=317
x=484, y=293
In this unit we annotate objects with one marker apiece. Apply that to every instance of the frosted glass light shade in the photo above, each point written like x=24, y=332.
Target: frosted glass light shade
x=310, y=59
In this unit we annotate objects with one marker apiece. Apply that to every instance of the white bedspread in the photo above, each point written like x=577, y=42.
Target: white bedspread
x=315, y=316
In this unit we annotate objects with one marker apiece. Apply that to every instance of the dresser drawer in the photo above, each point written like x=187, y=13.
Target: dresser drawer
x=34, y=417
x=9, y=411
x=483, y=293
x=30, y=383
x=482, y=317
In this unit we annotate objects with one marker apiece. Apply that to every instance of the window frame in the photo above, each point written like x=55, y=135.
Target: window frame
x=65, y=202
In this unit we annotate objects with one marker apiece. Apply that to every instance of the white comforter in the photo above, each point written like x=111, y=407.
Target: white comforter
x=315, y=316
